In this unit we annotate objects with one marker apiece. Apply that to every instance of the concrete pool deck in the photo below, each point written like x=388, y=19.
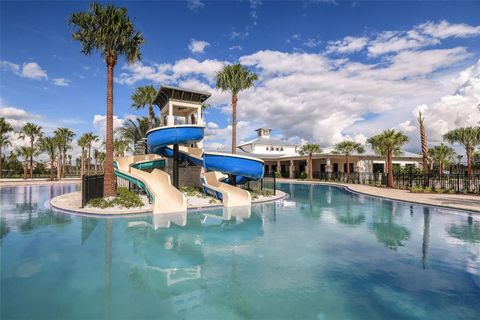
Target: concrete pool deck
x=451, y=201
x=35, y=182
x=72, y=202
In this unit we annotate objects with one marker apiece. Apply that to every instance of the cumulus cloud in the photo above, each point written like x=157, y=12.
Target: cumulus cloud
x=30, y=70
x=99, y=122
x=444, y=29
x=62, y=82
x=198, y=46
x=17, y=117
x=347, y=45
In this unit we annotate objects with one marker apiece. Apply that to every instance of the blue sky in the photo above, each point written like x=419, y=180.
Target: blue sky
x=328, y=70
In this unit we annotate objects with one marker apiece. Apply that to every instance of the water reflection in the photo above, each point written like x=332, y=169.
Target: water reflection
x=468, y=232
x=426, y=235
x=389, y=233
x=348, y=217
x=161, y=220
x=240, y=213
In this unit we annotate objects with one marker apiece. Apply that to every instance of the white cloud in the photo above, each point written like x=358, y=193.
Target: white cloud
x=17, y=117
x=444, y=29
x=99, y=122
x=347, y=45
x=239, y=48
x=198, y=46
x=312, y=42
x=212, y=125
x=195, y=5
x=395, y=41
x=62, y=82
x=30, y=70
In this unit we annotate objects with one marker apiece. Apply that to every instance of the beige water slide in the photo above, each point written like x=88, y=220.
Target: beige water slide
x=166, y=198
x=231, y=196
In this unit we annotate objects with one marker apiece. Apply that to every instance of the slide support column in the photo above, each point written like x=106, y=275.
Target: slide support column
x=175, y=165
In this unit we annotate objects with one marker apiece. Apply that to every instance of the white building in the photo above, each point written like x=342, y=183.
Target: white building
x=282, y=156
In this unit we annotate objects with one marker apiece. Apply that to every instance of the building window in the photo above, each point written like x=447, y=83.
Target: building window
x=281, y=149
x=267, y=148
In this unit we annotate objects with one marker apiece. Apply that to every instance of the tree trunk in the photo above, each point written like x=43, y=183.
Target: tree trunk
x=390, y=168
x=440, y=168
x=96, y=167
x=31, y=158
x=234, y=124
x=51, y=169
x=82, y=169
x=347, y=160
x=469, y=161
x=64, y=162
x=150, y=117
x=25, y=169
x=1, y=161
x=109, y=181
x=88, y=160
x=310, y=163
x=59, y=166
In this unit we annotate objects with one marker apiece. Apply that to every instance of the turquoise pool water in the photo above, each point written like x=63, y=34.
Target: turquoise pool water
x=324, y=253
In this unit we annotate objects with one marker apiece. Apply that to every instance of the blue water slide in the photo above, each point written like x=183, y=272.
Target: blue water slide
x=244, y=168
x=159, y=138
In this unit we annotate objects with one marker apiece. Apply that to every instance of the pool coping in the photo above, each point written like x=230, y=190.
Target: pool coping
x=385, y=197
x=280, y=195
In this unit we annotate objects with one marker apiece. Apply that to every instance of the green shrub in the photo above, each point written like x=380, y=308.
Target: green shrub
x=257, y=193
x=440, y=190
x=417, y=189
x=192, y=192
x=125, y=198
x=100, y=203
x=278, y=174
x=427, y=189
x=303, y=175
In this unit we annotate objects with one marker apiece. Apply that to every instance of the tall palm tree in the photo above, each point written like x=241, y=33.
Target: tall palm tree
x=144, y=96
x=26, y=153
x=33, y=132
x=69, y=163
x=235, y=78
x=90, y=137
x=389, y=142
x=424, y=143
x=109, y=31
x=348, y=147
x=442, y=154
x=83, y=143
x=5, y=128
x=469, y=137
x=49, y=146
x=77, y=165
x=310, y=149
x=64, y=137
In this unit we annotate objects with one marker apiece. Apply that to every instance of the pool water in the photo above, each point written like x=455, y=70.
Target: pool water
x=323, y=253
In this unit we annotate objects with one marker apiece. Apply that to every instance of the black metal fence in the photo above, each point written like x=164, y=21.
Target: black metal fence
x=92, y=187
x=268, y=182
x=460, y=183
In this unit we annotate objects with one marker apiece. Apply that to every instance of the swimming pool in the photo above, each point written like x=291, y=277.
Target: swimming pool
x=324, y=253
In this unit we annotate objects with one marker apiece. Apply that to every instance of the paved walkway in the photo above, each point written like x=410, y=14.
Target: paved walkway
x=29, y=182
x=454, y=201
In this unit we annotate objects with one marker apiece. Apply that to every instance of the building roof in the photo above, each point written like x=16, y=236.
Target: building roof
x=165, y=93
x=267, y=141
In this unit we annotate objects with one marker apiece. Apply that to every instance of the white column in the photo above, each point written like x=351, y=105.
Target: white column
x=170, y=118
x=291, y=169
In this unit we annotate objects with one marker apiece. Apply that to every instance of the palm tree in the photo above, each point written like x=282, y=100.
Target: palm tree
x=310, y=149
x=83, y=143
x=235, y=78
x=26, y=153
x=134, y=131
x=121, y=146
x=33, y=132
x=95, y=157
x=347, y=147
x=64, y=136
x=90, y=137
x=144, y=96
x=469, y=137
x=109, y=31
x=388, y=142
x=49, y=146
x=5, y=128
x=101, y=159
x=423, y=139
x=77, y=165
x=441, y=155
